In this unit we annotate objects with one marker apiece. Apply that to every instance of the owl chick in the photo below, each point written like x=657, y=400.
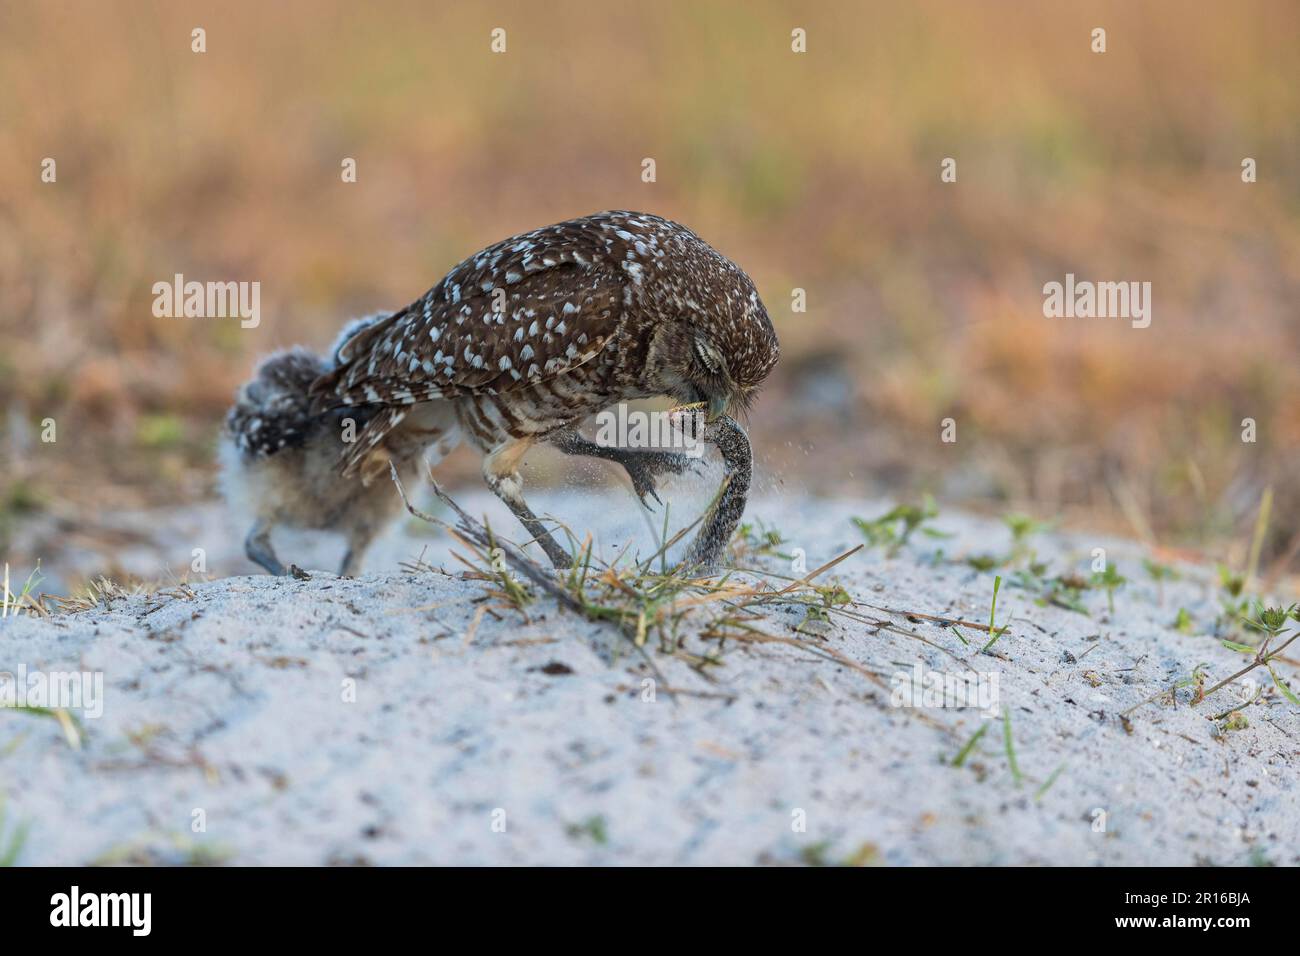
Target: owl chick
x=521, y=342
x=279, y=458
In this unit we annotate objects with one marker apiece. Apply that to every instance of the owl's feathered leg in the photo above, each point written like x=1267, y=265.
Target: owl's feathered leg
x=643, y=467
x=258, y=548
x=501, y=472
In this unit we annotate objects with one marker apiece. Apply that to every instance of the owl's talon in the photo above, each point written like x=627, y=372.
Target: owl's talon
x=644, y=486
x=642, y=492
x=644, y=466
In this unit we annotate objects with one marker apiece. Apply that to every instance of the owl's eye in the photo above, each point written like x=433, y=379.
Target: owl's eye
x=709, y=357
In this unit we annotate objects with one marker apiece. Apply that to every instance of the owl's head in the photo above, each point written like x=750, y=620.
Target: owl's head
x=721, y=355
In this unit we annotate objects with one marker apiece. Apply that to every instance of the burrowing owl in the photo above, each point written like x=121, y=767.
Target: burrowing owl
x=279, y=459
x=524, y=340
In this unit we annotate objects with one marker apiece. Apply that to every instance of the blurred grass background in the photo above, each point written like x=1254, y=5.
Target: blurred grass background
x=818, y=171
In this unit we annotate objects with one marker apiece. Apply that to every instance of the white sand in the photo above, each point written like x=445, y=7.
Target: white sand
x=232, y=703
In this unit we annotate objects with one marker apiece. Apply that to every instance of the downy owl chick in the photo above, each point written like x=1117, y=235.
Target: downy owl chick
x=279, y=459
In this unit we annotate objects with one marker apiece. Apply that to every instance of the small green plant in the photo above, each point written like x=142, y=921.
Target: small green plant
x=1259, y=858
x=1271, y=622
x=965, y=751
x=1047, y=784
x=1065, y=591
x=1233, y=602
x=994, y=631
x=1235, y=721
x=1031, y=577
x=1111, y=580
x=818, y=606
x=814, y=854
x=893, y=529
x=1183, y=623
x=1231, y=583
x=1010, y=747
x=1022, y=528
x=1159, y=573
x=812, y=615
x=593, y=828
x=756, y=539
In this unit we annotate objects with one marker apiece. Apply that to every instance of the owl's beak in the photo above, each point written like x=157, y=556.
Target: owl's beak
x=717, y=408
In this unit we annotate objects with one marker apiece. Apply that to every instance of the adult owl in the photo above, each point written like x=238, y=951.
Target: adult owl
x=521, y=342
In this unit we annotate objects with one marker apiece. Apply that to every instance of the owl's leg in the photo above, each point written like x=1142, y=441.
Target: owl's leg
x=643, y=467
x=501, y=472
x=258, y=548
x=358, y=541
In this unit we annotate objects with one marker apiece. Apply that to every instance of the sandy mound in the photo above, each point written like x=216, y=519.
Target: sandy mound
x=392, y=719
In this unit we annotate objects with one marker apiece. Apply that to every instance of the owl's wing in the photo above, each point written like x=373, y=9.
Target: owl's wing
x=520, y=312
